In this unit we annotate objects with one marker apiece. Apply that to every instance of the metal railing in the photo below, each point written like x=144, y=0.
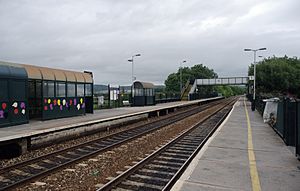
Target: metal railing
x=114, y=97
x=287, y=122
x=184, y=89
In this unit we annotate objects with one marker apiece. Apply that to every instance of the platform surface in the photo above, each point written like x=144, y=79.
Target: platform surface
x=223, y=163
x=35, y=127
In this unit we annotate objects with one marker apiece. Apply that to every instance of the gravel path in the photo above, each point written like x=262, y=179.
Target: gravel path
x=92, y=173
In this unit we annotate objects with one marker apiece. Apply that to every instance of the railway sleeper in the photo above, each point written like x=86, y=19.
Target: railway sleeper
x=182, y=151
x=166, y=163
x=148, y=179
x=182, y=148
x=132, y=185
x=172, y=159
x=161, y=167
x=177, y=155
x=155, y=173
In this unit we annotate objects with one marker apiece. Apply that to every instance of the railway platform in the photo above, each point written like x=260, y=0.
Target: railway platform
x=243, y=154
x=39, y=132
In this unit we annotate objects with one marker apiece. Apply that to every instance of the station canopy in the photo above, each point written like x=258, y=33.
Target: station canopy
x=142, y=85
x=8, y=69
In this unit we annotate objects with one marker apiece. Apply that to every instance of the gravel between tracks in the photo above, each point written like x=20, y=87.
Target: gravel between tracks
x=55, y=147
x=91, y=173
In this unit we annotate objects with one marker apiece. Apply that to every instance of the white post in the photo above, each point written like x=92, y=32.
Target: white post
x=180, y=77
x=254, y=83
x=132, y=70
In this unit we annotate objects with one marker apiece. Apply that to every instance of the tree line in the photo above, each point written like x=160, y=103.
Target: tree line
x=200, y=71
x=277, y=76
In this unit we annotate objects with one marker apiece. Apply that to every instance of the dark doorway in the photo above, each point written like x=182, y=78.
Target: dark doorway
x=35, y=98
x=89, y=100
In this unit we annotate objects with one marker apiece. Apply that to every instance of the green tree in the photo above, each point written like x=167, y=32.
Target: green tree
x=172, y=83
x=228, y=91
x=195, y=72
x=224, y=90
x=277, y=75
x=200, y=71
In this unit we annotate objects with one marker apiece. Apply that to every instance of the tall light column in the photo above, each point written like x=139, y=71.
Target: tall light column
x=184, y=61
x=254, y=83
x=132, y=61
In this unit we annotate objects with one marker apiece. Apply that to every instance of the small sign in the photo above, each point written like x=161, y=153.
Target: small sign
x=251, y=77
x=100, y=100
x=113, y=95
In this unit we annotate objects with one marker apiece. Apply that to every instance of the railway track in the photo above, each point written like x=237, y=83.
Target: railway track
x=161, y=169
x=27, y=171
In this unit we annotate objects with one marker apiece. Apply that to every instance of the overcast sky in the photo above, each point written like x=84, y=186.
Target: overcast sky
x=101, y=35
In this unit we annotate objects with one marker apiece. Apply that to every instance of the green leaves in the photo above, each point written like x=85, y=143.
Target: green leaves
x=195, y=72
x=278, y=75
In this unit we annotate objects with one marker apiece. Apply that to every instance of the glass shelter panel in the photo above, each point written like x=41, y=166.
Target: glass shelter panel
x=60, y=89
x=88, y=89
x=71, y=90
x=80, y=90
x=45, y=89
x=138, y=92
x=4, y=90
x=31, y=87
x=18, y=90
x=50, y=89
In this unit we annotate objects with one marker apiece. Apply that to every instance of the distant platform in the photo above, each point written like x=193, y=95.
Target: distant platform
x=22, y=134
x=223, y=163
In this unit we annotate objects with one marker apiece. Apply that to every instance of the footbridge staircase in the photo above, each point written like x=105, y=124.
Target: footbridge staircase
x=186, y=90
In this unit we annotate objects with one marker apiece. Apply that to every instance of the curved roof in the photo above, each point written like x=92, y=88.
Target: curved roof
x=43, y=73
x=70, y=76
x=88, y=77
x=79, y=77
x=144, y=85
x=59, y=75
x=9, y=70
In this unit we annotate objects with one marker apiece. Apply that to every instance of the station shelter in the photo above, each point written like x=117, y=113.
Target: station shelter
x=29, y=92
x=143, y=94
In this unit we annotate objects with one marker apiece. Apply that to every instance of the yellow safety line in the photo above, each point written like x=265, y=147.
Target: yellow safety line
x=251, y=155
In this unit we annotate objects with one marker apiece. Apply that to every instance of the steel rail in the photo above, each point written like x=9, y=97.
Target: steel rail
x=45, y=156
x=156, y=125
x=116, y=181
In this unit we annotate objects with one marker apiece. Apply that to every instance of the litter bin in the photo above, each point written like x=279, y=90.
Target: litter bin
x=253, y=105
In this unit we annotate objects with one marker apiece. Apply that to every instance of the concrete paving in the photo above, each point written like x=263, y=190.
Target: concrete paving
x=36, y=127
x=223, y=163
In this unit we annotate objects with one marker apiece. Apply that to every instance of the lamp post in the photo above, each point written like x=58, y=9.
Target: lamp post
x=131, y=60
x=184, y=61
x=254, y=63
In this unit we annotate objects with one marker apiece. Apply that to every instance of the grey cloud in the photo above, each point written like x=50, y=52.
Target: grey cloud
x=101, y=35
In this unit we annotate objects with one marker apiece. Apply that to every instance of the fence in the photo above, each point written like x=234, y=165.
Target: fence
x=113, y=97
x=166, y=97
x=195, y=96
x=287, y=123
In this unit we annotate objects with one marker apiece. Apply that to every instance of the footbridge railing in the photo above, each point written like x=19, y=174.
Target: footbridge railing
x=219, y=81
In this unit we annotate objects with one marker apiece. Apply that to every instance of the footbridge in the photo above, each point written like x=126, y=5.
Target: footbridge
x=190, y=89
